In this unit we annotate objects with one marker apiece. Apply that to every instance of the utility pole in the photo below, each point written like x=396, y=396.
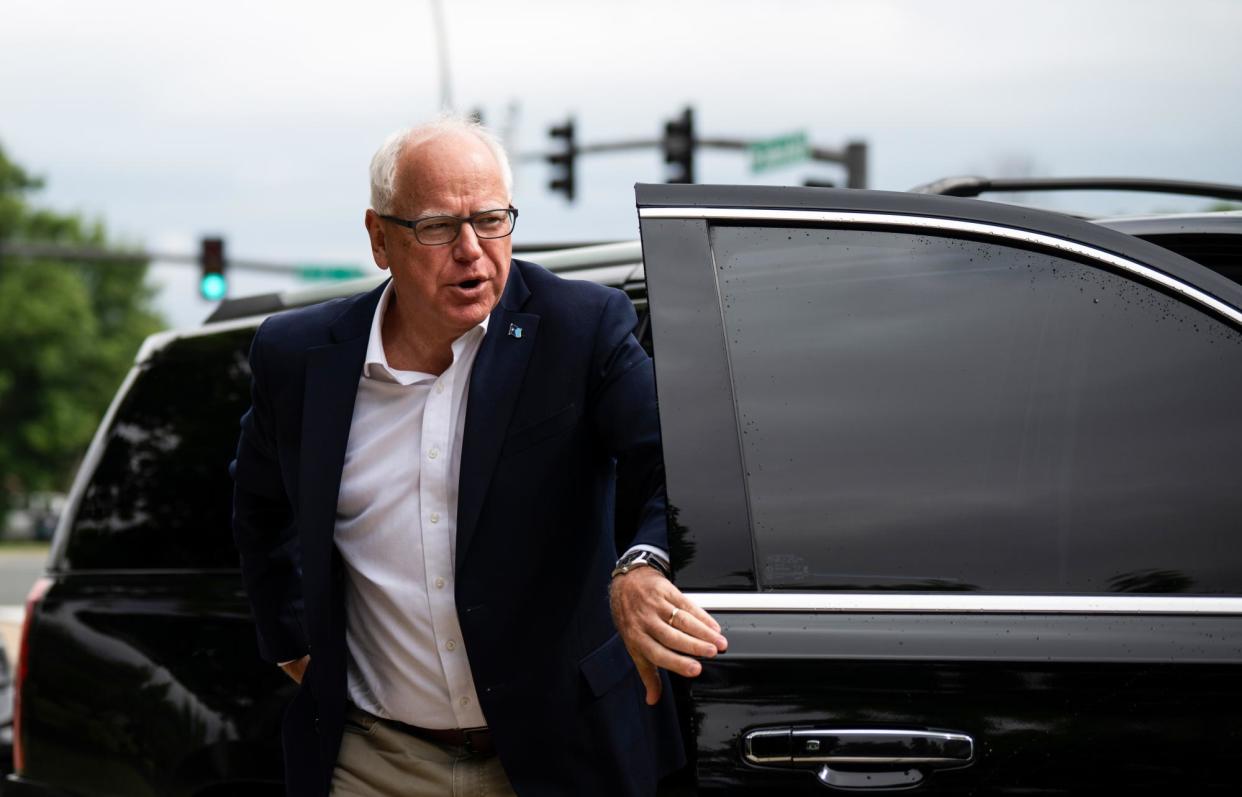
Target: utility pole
x=446, y=81
x=856, y=164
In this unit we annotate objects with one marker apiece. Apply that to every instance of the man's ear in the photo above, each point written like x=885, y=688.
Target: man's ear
x=379, y=242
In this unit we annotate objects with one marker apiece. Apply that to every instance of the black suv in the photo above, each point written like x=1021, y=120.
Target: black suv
x=960, y=479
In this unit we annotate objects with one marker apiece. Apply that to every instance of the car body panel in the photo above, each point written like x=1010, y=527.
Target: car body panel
x=174, y=701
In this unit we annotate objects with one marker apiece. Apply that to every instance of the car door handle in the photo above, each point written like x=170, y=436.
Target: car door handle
x=859, y=758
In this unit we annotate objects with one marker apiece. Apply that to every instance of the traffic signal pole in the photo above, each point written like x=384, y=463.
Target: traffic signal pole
x=853, y=157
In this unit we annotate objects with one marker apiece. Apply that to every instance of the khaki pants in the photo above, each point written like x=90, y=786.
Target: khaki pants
x=377, y=760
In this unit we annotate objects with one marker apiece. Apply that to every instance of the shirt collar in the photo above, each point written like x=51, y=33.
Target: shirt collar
x=376, y=364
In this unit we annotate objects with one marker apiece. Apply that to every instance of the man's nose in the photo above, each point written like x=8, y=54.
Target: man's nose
x=467, y=247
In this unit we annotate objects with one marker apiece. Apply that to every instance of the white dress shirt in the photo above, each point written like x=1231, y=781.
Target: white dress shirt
x=396, y=528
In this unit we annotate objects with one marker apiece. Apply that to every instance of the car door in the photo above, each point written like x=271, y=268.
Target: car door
x=961, y=481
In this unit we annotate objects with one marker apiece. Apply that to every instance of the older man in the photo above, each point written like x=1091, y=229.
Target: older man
x=424, y=509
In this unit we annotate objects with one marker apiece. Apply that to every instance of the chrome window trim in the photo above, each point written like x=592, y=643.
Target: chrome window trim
x=959, y=603
x=952, y=225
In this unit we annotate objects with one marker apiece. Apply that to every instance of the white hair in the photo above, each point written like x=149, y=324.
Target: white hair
x=384, y=162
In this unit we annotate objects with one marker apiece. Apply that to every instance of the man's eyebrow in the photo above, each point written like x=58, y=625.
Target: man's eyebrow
x=426, y=214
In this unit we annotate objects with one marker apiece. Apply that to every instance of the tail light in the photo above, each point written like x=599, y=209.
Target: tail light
x=19, y=678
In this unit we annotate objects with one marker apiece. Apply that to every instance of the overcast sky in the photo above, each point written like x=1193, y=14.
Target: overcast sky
x=256, y=120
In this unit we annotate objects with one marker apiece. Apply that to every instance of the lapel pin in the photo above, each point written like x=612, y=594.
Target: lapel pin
x=515, y=331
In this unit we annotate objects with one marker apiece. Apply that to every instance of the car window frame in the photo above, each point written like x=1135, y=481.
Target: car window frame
x=708, y=492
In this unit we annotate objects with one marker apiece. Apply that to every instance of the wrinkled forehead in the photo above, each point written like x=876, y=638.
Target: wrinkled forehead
x=451, y=174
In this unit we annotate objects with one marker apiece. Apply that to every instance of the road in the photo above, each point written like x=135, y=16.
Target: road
x=19, y=567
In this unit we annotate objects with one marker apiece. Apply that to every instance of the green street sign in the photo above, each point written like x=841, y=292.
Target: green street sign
x=779, y=151
x=327, y=273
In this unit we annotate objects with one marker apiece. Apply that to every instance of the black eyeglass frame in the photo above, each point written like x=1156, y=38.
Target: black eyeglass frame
x=458, y=220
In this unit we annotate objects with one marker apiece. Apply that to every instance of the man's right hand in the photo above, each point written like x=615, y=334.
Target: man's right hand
x=661, y=627
x=297, y=668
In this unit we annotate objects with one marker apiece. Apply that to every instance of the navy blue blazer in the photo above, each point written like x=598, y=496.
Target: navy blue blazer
x=557, y=418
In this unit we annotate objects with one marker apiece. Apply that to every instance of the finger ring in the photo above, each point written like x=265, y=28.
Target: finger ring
x=673, y=616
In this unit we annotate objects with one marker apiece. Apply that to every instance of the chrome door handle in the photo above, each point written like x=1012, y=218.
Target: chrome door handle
x=860, y=758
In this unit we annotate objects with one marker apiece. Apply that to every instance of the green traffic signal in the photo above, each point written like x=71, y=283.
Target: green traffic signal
x=213, y=287
x=212, y=284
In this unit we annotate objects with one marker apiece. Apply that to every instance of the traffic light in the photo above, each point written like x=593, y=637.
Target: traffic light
x=856, y=164
x=678, y=145
x=213, y=285
x=563, y=161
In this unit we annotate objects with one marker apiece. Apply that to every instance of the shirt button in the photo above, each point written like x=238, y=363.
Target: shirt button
x=439, y=583
x=435, y=517
x=439, y=387
x=450, y=645
x=433, y=453
x=465, y=701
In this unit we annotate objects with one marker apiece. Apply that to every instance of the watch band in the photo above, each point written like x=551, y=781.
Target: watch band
x=636, y=559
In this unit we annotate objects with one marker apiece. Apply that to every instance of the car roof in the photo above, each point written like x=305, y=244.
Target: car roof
x=1223, y=222
x=973, y=186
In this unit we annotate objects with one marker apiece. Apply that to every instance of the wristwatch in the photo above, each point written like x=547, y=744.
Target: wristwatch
x=635, y=559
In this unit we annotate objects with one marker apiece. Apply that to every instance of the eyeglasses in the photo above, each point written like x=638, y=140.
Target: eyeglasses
x=440, y=230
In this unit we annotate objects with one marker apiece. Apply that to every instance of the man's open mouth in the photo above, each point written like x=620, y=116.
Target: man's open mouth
x=470, y=284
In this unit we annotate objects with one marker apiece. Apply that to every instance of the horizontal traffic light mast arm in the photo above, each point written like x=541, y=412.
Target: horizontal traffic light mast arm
x=816, y=153
x=37, y=251
x=44, y=251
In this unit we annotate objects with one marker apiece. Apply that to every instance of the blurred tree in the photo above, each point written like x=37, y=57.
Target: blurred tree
x=68, y=334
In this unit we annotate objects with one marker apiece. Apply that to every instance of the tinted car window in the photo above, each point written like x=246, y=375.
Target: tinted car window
x=922, y=412
x=161, y=496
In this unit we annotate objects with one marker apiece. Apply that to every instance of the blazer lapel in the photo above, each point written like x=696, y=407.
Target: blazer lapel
x=332, y=373
x=495, y=381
